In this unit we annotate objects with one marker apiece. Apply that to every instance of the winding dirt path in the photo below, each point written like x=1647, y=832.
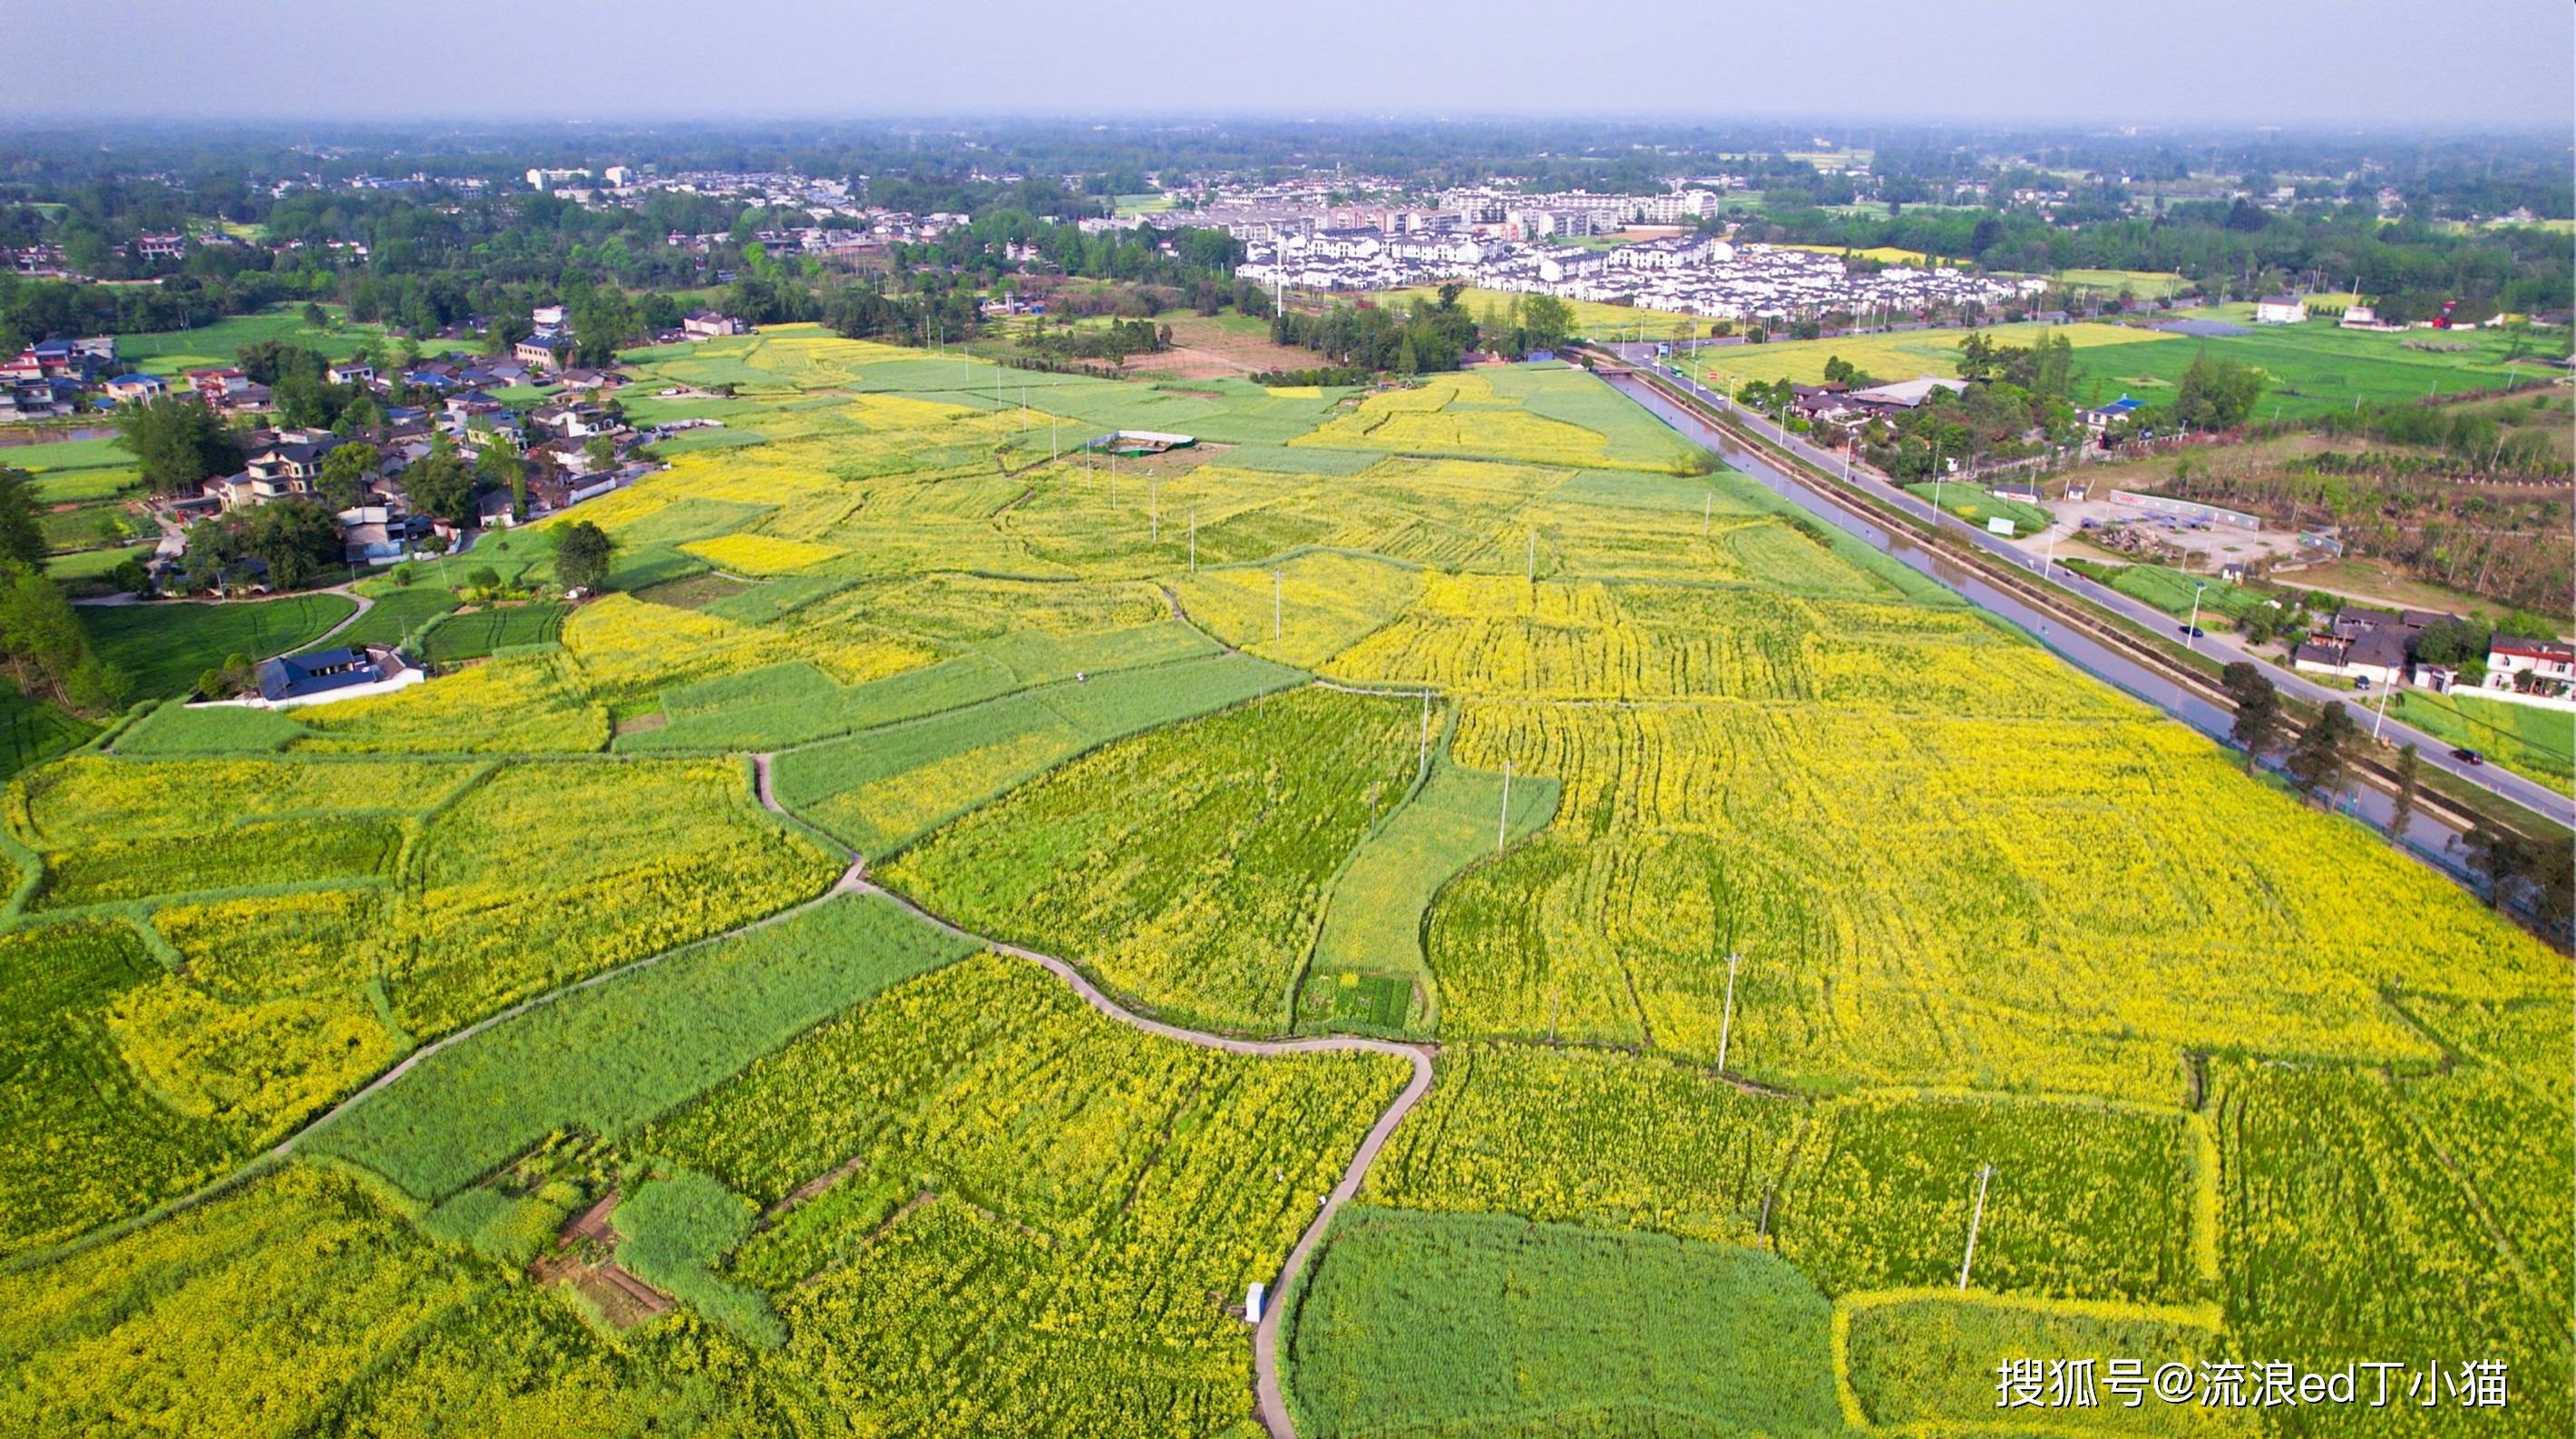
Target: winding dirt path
x=1265, y=1337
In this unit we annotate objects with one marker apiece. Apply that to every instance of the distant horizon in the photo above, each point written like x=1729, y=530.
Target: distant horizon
x=1133, y=120
x=2371, y=64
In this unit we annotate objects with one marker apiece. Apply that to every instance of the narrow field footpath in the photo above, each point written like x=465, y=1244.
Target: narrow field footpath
x=1265, y=1337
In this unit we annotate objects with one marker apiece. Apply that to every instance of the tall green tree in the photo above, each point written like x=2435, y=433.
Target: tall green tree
x=2216, y=394
x=46, y=647
x=2318, y=761
x=582, y=554
x=22, y=539
x=2258, y=710
x=439, y=484
x=2499, y=856
x=1545, y=322
x=176, y=441
x=2401, y=806
x=344, y=474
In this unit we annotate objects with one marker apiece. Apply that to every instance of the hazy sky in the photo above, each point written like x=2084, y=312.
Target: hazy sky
x=2397, y=62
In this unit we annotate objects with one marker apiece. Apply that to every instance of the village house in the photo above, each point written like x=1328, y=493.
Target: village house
x=2279, y=310
x=2531, y=666
x=540, y=351
x=126, y=389
x=345, y=672
x=2101, y=418
x=707, y=325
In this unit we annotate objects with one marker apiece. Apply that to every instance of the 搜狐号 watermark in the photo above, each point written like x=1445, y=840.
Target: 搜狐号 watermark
x=2229, y=1384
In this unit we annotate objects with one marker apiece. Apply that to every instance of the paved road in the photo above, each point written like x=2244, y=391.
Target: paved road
x=2435, y=752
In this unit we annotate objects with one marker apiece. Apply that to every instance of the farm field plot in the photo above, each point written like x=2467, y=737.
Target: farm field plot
x=1684, y=831
x=1593, y=1137
x=33, y=731
x=1153, y=861
x=2309, y=1276
x=1903, y=355
x=1978, y=506
x=1417, y=1324
x=2144, y=284
x=1592, y=319
x=172, y=352
x=2537, y=742
x=638, y=856
x=397, y=617
x=2085, y=1202
x=2314, y=368
x=94, y=1145
x=2172, y=590
x=1930, y=1358
x=1498, y=635
x=480, y=633
x=1536, y=415
x=164, y=647
x=610, y=1059
x=1367, y=970
x=881, y=789
x=244, y=1315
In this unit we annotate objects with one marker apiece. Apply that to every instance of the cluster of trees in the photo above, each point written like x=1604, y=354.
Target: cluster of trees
x=1113, y=342
x=286, y=543
x=2215, y=394
x=177, y=443
x=2017, y=393
x=1425, y=338
x=2226, y=249
x=42, y=641
x=2486, y=440
x=1429, y=335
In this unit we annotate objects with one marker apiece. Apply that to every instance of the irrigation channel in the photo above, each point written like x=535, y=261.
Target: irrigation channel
x=2430, y=837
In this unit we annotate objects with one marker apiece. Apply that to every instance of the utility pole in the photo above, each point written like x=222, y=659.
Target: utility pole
x=1153, y=510
x=1422, y=752
x=1985, y=1173
x=1726, y=1026
x=2384, y=692
x=2191, y=631
x=1503, y=822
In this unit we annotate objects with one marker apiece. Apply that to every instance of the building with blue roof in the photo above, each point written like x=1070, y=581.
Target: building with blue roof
x=300, y=677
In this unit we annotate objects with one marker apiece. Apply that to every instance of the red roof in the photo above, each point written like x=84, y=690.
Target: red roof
x=2532, y=649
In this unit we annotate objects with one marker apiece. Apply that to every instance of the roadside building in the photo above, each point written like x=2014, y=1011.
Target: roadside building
x=2531, y=666
x=707, y=325
x=2279, y=310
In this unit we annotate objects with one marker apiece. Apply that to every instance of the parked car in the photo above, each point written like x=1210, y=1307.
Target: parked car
x=2194, y=631
x=2468, y=756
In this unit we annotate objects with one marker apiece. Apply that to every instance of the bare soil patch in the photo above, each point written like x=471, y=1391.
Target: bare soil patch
x=1204, y=349
x=584, y=1261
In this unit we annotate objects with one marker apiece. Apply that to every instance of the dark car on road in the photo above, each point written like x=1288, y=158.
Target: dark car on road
x=2468, y=756
x=2195, y=631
